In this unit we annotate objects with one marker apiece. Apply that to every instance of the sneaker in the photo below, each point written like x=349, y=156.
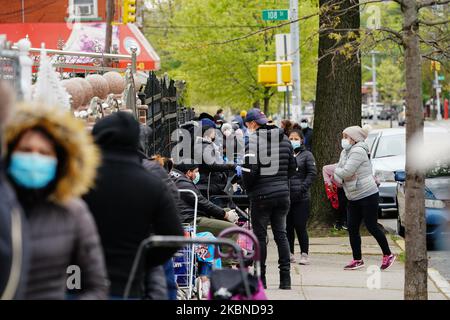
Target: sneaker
x=354, y=265
x=344, y=226
x=304, y=260
x=338, y=227
x=388, y=260
x=293, y=258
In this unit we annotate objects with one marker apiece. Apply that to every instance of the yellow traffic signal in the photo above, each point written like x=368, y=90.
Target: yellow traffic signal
x=435, y=66
x=268, y=73
x=129, y=11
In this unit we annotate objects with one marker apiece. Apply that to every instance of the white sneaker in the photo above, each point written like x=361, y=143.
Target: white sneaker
x=292, y=258
x=304, y=260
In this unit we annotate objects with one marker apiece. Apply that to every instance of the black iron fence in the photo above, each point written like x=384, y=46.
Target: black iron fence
x=165, y=114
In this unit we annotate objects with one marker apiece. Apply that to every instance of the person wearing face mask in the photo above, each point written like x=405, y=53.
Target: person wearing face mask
x=299, y=185
x=354, y=172
x=213, y=169
x=307, y=133
x=51, y=161
x=14, y=240
x=210, y=217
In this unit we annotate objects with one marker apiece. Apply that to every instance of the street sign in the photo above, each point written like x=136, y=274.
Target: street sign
x=283, y=51
x=275, y=15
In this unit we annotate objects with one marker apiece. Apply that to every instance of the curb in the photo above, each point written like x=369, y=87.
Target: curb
x=439, y=281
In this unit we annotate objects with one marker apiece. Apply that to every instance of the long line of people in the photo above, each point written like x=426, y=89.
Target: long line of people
x=73, y=201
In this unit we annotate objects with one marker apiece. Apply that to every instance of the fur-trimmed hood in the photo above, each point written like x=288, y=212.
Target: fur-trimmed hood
x=83, y=157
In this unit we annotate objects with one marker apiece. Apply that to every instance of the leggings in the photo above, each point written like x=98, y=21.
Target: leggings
x=296, y=223
x=365, y=209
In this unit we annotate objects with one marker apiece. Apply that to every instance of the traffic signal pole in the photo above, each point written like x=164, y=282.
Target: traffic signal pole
x=295, y=57
x=438, y=100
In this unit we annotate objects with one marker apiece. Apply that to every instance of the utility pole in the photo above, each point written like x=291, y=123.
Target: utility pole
x=110, y=10
x=438, y=91
x=295, y=47
x=374, y=88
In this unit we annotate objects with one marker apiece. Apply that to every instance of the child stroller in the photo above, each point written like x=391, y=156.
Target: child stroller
x=247, y=288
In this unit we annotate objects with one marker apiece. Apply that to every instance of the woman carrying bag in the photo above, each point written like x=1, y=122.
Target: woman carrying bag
x=354, y=172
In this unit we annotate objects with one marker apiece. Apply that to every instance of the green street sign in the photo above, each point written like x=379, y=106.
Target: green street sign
x=441, y=78
x=275, y=15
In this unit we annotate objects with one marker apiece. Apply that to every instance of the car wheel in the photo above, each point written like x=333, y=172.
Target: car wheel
x=400, y=228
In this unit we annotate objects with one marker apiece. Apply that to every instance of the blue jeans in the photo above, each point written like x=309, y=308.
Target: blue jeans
x=170, y=278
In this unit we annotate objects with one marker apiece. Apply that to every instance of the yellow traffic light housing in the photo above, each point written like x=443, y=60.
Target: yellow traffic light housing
x=435, y=66
x=129, y=11
x=275, y=73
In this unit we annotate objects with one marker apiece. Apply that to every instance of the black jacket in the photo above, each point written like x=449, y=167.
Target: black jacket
x=308, y=134
x=266, y=172
x=128, y=203
x=186, y=201
x=304, y=176
x=14, y=258
x=213, y=170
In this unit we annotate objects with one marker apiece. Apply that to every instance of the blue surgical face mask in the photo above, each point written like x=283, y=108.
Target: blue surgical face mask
x=32, y=170
x=197, y=178
x=296, y=144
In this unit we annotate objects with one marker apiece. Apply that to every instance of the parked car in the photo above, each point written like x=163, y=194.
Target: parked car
x=402, y=117
x=387, y=154
x=437, y=205
x=388, y=114
x=378, y=108
x=365, y=112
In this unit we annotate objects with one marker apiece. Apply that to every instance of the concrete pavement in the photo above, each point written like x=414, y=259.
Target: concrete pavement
x=325, y=278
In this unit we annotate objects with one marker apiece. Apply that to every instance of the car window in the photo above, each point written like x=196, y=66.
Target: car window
x=370, y=140
x=391, y=145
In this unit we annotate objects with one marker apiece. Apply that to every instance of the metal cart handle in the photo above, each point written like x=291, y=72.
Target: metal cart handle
x=176, y=241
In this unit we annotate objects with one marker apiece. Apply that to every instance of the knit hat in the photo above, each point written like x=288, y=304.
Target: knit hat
x=357, y=133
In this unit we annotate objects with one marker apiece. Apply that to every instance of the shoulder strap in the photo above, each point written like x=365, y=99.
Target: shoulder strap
x=16, y=265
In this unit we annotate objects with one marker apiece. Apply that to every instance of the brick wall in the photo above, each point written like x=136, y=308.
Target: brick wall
x=40, y=10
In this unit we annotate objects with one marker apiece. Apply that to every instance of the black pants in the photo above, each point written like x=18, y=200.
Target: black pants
x=296, y=224
x=274, y=211
x=365, y=209
x=341, y=212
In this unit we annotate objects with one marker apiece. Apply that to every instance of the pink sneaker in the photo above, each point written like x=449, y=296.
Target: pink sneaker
x=355, y=264
x=387, y=261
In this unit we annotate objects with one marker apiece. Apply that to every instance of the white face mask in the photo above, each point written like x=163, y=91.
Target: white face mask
x=345, y=144
x=303, y=125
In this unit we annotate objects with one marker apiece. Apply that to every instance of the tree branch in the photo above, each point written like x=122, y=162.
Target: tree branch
x=434, y=23
x=429, y=3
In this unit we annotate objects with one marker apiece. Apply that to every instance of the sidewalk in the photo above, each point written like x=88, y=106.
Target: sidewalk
x=325, y=278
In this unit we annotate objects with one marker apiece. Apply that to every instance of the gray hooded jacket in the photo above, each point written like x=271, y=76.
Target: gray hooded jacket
x=354, y=171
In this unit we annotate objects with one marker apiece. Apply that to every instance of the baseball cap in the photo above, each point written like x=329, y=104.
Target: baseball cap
x=256, y=115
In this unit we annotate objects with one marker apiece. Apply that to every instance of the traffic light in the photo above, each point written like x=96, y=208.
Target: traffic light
x=435, y=66
x=129, y=11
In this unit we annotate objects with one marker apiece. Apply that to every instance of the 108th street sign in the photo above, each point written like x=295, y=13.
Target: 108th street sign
x=275, y=15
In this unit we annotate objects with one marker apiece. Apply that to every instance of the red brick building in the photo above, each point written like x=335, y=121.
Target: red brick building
x=31, y=11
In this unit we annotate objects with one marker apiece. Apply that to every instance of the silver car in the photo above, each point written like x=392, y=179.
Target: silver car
x=387, y=154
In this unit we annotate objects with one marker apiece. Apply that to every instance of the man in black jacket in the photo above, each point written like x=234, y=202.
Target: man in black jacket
x=268, y=164
x=14, y=253
x=210, y=217
x=307, y=133
x=129, y=204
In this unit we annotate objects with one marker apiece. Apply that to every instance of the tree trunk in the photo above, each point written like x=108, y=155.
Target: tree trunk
x=415, y=225
x=338, y=105
x=108, y=37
